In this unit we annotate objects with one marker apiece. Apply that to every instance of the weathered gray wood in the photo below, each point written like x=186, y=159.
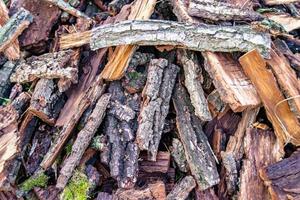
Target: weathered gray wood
x=158, y=32
x=221, y=11
x=178, y=155
x=14, y=27
x=198, y=152
x=5, y=72
x=82, y=141
x=192, y=70
x=155, y=107
x=182, y=189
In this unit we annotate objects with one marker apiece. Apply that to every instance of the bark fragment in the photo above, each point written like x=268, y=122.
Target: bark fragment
x=285, y=123
x=282, y=178
x=14, y=27
x=231, y=82
x=156, y=99
x=197, y=150
x=182, y=189
x=157, y=32
x=192, y=69
x=82, y=141
x=178, y=155
x=221, y=11
x=5, y=72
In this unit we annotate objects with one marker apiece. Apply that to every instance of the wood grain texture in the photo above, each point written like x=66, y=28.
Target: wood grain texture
x=288, y=22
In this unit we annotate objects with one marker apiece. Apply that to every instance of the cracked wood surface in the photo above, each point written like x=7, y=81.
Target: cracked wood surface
x=189, y=36
x=13, y=28
x=231, y=82
x=156, y=99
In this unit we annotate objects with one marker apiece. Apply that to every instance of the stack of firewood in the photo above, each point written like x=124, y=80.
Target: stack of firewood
x=148, y=99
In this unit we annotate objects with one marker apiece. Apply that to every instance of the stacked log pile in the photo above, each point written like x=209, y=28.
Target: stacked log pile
x=148, y=99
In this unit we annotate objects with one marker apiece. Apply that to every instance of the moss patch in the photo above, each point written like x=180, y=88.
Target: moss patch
x=38, y=181
x=77, y=188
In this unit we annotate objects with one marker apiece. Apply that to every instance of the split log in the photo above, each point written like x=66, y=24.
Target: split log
x=278, y=2
x=46, y=101
x=230, y=81
x=178, y=155
x=282, y=178
x=89, y=98
x=157, y=32
x=121, y=152
x=156, y=99
x=286, y=125
x=220, y=11
x=288, y=22
x=261, y=149
x=49, y=66
x=161, y=164
x=192, y=70
x=5, y=72
x=117, y=65
x=67, y=8
x=182, y=189
x=197, y=150
x=82, y=141
x=13, y=51
x=14, y=27
x=287, y=78
x=155, y=191
x=44, y=17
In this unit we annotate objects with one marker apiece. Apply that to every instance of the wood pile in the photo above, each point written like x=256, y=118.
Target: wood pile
x=148, y=99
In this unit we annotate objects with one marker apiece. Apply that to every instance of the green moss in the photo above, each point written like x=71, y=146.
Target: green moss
x=68, y=148
x=4, y=101
x=40, y=180
x=134, y=75
x=77, y=188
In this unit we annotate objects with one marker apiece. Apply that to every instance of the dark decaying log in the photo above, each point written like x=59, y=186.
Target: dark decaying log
x=5, y=72
x=161, y=164
x=158, y=32
x=10, y=31
x=282, y=178
x=46, y=101
x=49, y=193
x=89, y=98
x=104, y=196
x=192, y=71
x=155, y=107
x=182, y=189
x=285, y=123
x=121, y=152
x=221, y=11
x=198, y=152
x=44, y=17
x=82, y=141
x=261, y=149
x=13, y=51
x=49, y=66
x=230, y=81
x=178, y=155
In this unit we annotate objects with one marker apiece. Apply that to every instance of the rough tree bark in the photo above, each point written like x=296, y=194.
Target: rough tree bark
x=157, y=32
x=13, y=51
x=14, y=27
x=286, y=125
x=82, y=141
x=156, y=99
x=197, y=150
x=192, y=70
x=182, y=189
x=5, y=72
x=220, y=11
x=178, y=155
x=277, y=2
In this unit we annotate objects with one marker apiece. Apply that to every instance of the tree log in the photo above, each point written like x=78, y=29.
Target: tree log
x=261, y=149
x=182, y=189
x=288, y=22
x=14, y=27
x=5, y=72
x=220, y=11
x=82, y=141
x=46, y=101
x=286, y=125
x=278, y=2
x=13, y=51
x=192, y=69
x=197, y=150
x=157, y=32
x=231, y=82
x=156, y=99
x=282, y=178
x=178, y=155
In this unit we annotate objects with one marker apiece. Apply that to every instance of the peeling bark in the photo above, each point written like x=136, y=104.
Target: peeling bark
x=182, y=189
x=178, y=155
